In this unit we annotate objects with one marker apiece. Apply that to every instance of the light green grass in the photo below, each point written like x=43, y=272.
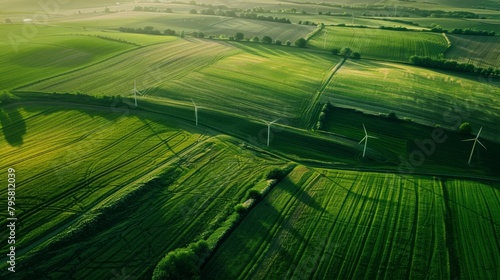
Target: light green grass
x=31, y=58
x=381, y=44
x=271, y=81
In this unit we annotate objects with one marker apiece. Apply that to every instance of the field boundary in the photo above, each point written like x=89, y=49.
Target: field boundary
x=310, y=114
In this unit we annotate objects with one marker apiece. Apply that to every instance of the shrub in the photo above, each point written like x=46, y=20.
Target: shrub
x=301, y=43
x=255, y=194
x=288, y=43
x=278, y=43
x=240, y=209
x=465, y=128
x=392, y=116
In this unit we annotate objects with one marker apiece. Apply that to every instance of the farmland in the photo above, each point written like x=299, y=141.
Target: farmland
x=209, y=69
x=323, y=224
x=408, y=91
x=381, y=44
x=480, y=51
x=189, y=179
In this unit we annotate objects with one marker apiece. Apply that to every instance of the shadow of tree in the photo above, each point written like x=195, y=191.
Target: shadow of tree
x=13, y=126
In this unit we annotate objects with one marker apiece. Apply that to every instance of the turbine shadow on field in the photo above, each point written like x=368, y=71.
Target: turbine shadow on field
x=302, y=195
x=13, y=126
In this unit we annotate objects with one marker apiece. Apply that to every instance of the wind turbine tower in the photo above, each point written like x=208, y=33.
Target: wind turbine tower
x=135, y=93
x=476, y=140
x=196, y=111
x=269, y=130
x=365, y=139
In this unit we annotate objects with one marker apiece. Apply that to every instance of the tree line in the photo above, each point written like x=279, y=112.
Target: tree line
x=150, y=30
x=451, y=65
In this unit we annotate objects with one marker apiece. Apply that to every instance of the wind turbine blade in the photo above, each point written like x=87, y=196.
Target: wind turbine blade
x=469, y=140
x=372, y=137
x=275, y=120
x=477, y=136
x=193, y=102
x=482, y=144
x=364, y=128
x=364, y=138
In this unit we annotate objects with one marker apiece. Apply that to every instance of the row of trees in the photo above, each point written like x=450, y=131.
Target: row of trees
x=147, y=30
x=152, y=9
x=231, y=13
x=468, y=31
x=452, y=65
x=346, y=52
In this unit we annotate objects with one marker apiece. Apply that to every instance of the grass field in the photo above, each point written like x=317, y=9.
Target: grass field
x=112, y=155
x=381, y=44
x=105, y=189
x=66, y=171
x=323, y=224
x=270, y=84
x=481, y=51
x=420, y=94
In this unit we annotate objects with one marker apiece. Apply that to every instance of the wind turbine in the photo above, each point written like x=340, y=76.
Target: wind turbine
x=324, y=40
x=135, y=93
x=476, y=140
x=195, y=111
x=269, y=129
x=366, y=140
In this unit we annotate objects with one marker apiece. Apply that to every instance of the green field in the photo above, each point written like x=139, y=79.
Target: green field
x=381, y=44
x=420, y=94
x=269, y=84
x=481, y=51
x=323, y=224
x=107, y=189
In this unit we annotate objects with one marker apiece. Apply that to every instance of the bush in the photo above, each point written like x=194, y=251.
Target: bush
x=392, y=116
x=278, y=43
x=356, y=55
x=267, y=40
x=255, y=194
x=240, y=209
x=239, y=36
x=335, y=51
x=255, y=39
x=183, y=263
x=301, y=43
x=465, y=128
x=288, y=43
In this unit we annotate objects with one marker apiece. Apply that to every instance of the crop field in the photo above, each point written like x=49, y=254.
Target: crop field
x=67, y=170
x=206, y=71
x=416, y=93
x=450, y=23
x=213, y=176
x=381, y=44
x=324, y=224
x=482, y=51
x=242, y=159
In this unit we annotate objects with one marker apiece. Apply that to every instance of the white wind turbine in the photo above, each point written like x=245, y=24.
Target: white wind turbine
x=135, y=91
x=476, y=140
x=196, y=111
x=269, y=129
x=365, y=139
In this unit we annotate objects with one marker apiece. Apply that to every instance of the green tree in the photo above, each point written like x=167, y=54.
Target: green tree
x=346, y=52
x=255, y=39
x=239, y=36
x=267, y=40
x=301, y=43
x=182, y=34
x=356, y=55
x=179, y=264
x=465, y=128
x=278, y=43
x=193, y=11
x=335, y=51
x=288, y=43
